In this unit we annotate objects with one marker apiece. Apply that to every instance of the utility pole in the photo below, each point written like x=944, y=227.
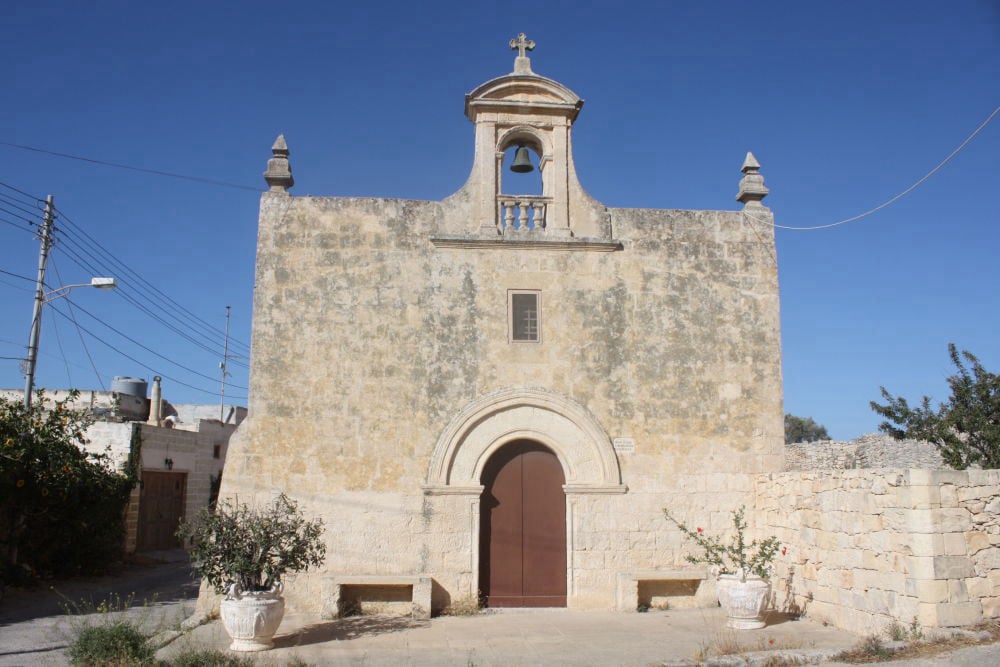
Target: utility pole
x=45, y=234
x=222, y=368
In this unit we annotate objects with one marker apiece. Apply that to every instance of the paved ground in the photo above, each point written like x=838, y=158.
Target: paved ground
x=34, y=630
x=536, y=637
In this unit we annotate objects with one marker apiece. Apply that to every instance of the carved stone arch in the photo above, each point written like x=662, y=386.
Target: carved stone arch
x=538, y=141
x=558, y=422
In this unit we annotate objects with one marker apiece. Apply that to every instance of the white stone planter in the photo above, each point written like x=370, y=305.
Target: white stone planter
x=743, y=600
x=252, y=617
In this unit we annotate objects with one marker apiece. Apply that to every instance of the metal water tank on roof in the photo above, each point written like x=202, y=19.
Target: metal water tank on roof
x=129, y=386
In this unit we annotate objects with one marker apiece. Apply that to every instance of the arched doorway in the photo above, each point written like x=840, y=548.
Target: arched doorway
x=523, y=528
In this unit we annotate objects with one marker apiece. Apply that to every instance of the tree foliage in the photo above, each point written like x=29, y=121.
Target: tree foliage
x=965, y=428
x=803, y=429
x=61, y=508
x=252, y=547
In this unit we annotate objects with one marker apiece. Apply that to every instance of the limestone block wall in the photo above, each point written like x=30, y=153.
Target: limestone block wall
x=869, y=547
x=371, y=334
x=111, y=438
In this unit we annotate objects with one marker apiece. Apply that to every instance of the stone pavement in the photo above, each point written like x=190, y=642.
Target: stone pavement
x=35, y=628
x=526, y=637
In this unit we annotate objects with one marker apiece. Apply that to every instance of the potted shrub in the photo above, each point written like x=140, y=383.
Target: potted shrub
x=243, y=552
x=742, y=569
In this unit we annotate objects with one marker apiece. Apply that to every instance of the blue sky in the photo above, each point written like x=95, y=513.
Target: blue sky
x=844, y=104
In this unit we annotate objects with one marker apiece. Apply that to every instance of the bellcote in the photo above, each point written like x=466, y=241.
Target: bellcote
x=524, y=109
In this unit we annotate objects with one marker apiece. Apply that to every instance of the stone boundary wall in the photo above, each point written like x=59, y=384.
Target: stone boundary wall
x=866, y=548
x=874, y=450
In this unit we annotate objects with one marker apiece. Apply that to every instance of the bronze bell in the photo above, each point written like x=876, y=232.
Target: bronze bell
x=522, y=161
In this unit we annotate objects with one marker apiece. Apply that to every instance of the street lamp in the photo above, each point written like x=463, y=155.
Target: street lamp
x=42, y=298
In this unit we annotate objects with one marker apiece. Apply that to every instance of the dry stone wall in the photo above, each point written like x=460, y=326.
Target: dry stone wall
x=867, y=548
x=874, y=450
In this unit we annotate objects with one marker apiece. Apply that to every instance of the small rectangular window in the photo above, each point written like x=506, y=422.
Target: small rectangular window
x=524, y=308
x=216, y=451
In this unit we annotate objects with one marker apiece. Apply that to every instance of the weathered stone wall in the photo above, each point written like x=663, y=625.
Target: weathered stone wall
x=368, y=339
x=867, y=548
x=874, y=450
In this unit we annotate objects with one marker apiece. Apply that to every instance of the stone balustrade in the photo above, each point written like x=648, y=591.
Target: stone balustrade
x=521, y=214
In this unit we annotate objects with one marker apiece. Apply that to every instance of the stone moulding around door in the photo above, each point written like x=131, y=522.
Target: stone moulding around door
x=558, y=422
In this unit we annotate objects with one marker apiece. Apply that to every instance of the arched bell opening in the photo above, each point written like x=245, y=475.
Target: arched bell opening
x=521, y=171
x=522, y=181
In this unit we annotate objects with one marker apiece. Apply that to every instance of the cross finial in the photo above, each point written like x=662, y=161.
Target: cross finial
x=522, y=44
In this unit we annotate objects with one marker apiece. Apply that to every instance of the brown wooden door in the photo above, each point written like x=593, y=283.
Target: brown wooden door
x=161, y=508
x=523, y=528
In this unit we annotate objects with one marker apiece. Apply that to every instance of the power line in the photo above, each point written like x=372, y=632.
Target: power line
x=133, y=359
x=18, y=275
x=143, y=289
x=90, y=358
x=17, y=225
x=41, y=353
x=10, y=201
x=17, y=287
x=148, y=349
x=902, y=194
x=122, y=292
x=22, y=192
x=118, y=165
x=6, y=210
x=62, y=352
x=212, y=331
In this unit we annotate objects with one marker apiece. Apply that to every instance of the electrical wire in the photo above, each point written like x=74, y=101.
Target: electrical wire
x=122, y=292
x=118, y=165
x=17, y=287
x=17, y=215
x=902, y=194
x=194, y=322
x=17, y=225
x=17, y=275
x=75, y=249
x=97, y=374
x=21, y=192
x=40, y=353
x=134, y=360
x=10, y=201
x=62, y=352
x=148, y=349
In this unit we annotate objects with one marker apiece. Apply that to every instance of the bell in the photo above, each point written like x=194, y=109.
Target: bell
x=522, y=161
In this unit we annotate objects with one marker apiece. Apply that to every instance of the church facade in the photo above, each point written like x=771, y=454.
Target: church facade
x=501, y=392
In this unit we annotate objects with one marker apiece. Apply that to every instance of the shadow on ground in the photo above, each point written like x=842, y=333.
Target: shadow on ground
x=778, y=617
x=344, y=629
x=144, y=582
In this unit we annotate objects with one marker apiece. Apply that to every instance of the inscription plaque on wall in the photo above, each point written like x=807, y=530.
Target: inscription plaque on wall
x=624, y=445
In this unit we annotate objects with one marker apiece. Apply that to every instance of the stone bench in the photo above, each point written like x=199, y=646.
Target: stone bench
x=336, y=597
x=695, y=586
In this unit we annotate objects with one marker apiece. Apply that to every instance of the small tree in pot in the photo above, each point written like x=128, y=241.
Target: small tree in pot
x=244, y=552
x=742, y=569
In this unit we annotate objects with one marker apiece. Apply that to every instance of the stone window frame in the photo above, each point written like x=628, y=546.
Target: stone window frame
x=537, y=293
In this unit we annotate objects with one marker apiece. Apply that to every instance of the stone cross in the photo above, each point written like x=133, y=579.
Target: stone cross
x=522, y=44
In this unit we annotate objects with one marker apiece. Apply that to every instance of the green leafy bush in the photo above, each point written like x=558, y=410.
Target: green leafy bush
x=61, y=508
x=121, y=643
x=252, y=548
x=209, y=658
